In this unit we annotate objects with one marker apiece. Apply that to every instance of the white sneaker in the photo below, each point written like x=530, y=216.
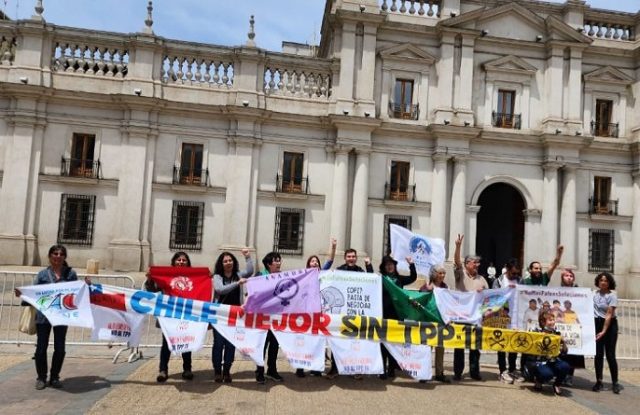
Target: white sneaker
x=517, y=377
x=506, y=377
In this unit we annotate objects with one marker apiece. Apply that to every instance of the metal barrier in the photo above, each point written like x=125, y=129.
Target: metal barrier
x=628, y=313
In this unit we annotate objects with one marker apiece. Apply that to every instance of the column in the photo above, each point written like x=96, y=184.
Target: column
x=339, y=197
x=238, y=200
x=568, y=217
x=635, y=225
x=549, y=237
x=439, y=197
x=347, y=63
x=575, y=85
x=464, y=88
x=359, y=211
x=553, y=82
x=457, y=215
x=366, y=69
x=472, y=232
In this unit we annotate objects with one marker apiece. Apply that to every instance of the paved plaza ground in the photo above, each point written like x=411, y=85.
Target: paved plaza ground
x=95, y=385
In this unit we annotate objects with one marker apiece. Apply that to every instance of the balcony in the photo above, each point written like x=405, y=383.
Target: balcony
x=89, y=169
x=404, y=111
x=503, y=120
x=603, y=207
x=406, y=193
x=600, y=129
x=422, y=8
x=191, y=177
x=292, y=185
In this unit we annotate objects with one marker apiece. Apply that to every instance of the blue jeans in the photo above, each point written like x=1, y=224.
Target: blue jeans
x=220, y=346
x=544, y=372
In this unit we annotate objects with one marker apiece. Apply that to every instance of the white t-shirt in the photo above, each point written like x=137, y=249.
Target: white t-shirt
x=601, y=302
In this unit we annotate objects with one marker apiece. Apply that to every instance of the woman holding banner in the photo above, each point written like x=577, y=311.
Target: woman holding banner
x=179, y=259
x=436, y=279
x=605, y=302
x=57, y=271
x=568, y=279
x=227, y=284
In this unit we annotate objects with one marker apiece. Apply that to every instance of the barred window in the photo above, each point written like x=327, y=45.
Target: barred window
x=289, y=231
x=186, y=225
x=601, y=250
x=77, y=215
x=400, y=220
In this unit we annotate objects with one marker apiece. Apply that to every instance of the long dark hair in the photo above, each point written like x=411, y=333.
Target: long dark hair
x=610, y=280
x=62, y=249
x=178, y=255
x=218, y=269
x=317, y=259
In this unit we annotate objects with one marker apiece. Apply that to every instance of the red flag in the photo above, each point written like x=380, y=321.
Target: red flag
x=185, y=282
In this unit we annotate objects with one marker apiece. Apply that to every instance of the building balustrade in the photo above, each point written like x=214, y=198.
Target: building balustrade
x=612, y=31
x=404, y=111
x=403, y=193
x=190, y=176
x=197, y=70
x=297, y=82
x=600, y=129
x=86, y=168
x=292, y=184
x=603, y=207
x=429, y=8
x=83, y=58
x=504, y=120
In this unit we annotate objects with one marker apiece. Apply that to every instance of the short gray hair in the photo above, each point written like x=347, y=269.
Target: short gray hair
x=433, y=272
x=470, y=258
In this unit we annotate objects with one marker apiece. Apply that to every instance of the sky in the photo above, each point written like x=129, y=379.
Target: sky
x=216, y=22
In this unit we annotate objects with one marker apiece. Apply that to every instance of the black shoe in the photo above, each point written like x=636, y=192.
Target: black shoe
x=597, y=387
x=617, y=388
x=273, y=375
x=300, y=373
x=217, y=377
x=476, y=376
x=40, y=384
x=457, y=377
x=383, y=376
x=442, y=378
x=315, y=373
x=391, y=374
x=162, y=377
x=187, y=375
x=226, y=377
x=332, y=374
x=260, y=376
x=55, y=383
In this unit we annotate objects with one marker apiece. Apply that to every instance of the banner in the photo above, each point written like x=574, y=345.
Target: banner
x=183, y=335
x=425, y=252
x=412, y=305
x=492, y=308
x=413, y=359
x=339, y=326
x=249, y=342
x=116, y=326
x=284, y=292
x=185, y=282
x=572, y=307
x=302, y=350
x=357, y=357
x=63, y=303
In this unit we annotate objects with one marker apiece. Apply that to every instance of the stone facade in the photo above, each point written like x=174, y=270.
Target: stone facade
x=126, y=147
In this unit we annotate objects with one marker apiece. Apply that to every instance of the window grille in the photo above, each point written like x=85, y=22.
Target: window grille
x=77, y=216
x=601, y=250
x=289, y=231
x=400, y=220
x=186, y=225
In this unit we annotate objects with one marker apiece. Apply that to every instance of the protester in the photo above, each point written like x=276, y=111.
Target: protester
x=568, y=279
x=605, y=302
x=350, y=264
x=179, y=259
x=388, y=268
x=543, y=368
x=272, y=263
x=536, y=276
x=227, y=284
x=436, y=279
x=467, y=279
x=509, y=279
x=57, y=271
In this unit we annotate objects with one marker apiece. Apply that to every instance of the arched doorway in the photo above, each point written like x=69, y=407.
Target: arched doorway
x=500, y=226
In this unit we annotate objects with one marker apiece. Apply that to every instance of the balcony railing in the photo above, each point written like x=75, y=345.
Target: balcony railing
x=292, y=185
x=600, y=129
x=603, y=207
x=503, y=120
x=405, y=193
x=404, y=111
x=80, y=168
x=190, y=176
x=429, y=8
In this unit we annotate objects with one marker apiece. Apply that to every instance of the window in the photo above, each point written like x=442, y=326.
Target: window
x=81, y=162
x=77, y=214
x=399, y=180
x=400, y=220
x=289, y=232
x=504, y=116
x=601, y=195
x=402, y=106
x=190, y=170
x=292, y=181
x=603, y=127
x=186, y=225
x=601, y=245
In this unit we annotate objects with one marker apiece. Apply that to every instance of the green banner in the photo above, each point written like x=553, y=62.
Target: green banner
x=412, y=305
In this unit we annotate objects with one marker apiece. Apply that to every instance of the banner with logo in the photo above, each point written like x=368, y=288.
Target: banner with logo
x=491, y=308
x=183, y=335
x=63, y=303
x=572, y=307
x=249, y=342
x=413, y=359
x=412, y=305
x=284, y=292
x=302, y=350
x=353, y=327
x=184, y=282
x=425, y=252
x=116, y=326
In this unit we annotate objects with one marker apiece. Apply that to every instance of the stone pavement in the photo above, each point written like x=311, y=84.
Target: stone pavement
x=93, y=384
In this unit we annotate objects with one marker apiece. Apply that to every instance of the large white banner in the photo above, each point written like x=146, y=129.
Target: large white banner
x=302, y=351
x=63, y=303
x=353, y=293
x=183, y=335
x=425, y=252
x=413, y=359
x=116, y=326
x=490, y=308
x=572, y=307
x=249, y=342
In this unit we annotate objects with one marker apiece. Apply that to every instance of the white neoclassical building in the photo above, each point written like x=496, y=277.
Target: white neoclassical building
x=515, y=123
